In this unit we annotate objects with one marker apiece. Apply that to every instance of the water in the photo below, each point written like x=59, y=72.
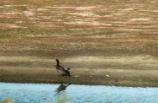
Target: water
x=50, y=93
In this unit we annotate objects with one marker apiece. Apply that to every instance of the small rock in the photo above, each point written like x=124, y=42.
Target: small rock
x=108, y=76
x=76, y=76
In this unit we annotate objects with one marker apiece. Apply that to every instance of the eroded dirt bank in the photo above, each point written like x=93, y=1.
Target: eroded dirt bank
x=104, y=42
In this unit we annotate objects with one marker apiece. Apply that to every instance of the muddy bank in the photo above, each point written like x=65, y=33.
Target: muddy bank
x=95, y=68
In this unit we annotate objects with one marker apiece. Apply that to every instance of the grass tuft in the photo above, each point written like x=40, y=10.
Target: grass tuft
x=61, y=99
x=6, y=100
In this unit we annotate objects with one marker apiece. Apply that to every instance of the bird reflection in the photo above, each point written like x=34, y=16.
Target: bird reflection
x=62, y=87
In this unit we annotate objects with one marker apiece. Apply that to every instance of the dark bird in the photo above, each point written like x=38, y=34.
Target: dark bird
x=61, y=69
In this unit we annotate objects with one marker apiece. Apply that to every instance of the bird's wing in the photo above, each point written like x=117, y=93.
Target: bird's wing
x=61, y=68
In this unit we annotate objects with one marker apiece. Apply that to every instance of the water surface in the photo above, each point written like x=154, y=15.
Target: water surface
x=50, y=93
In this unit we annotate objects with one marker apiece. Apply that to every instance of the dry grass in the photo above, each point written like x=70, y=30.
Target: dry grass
x=6, y=100
x=61, y=99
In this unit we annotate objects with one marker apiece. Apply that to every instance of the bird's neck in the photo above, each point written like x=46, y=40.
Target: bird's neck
x=57, y=63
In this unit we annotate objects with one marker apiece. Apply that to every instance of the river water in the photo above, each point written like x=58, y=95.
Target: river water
x=70, y=93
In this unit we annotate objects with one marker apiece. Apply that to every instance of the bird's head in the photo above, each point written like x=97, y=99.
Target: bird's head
x=68, y=68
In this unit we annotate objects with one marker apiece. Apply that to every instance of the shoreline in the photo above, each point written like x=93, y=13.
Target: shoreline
x=79, y=81
x=143, y=85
